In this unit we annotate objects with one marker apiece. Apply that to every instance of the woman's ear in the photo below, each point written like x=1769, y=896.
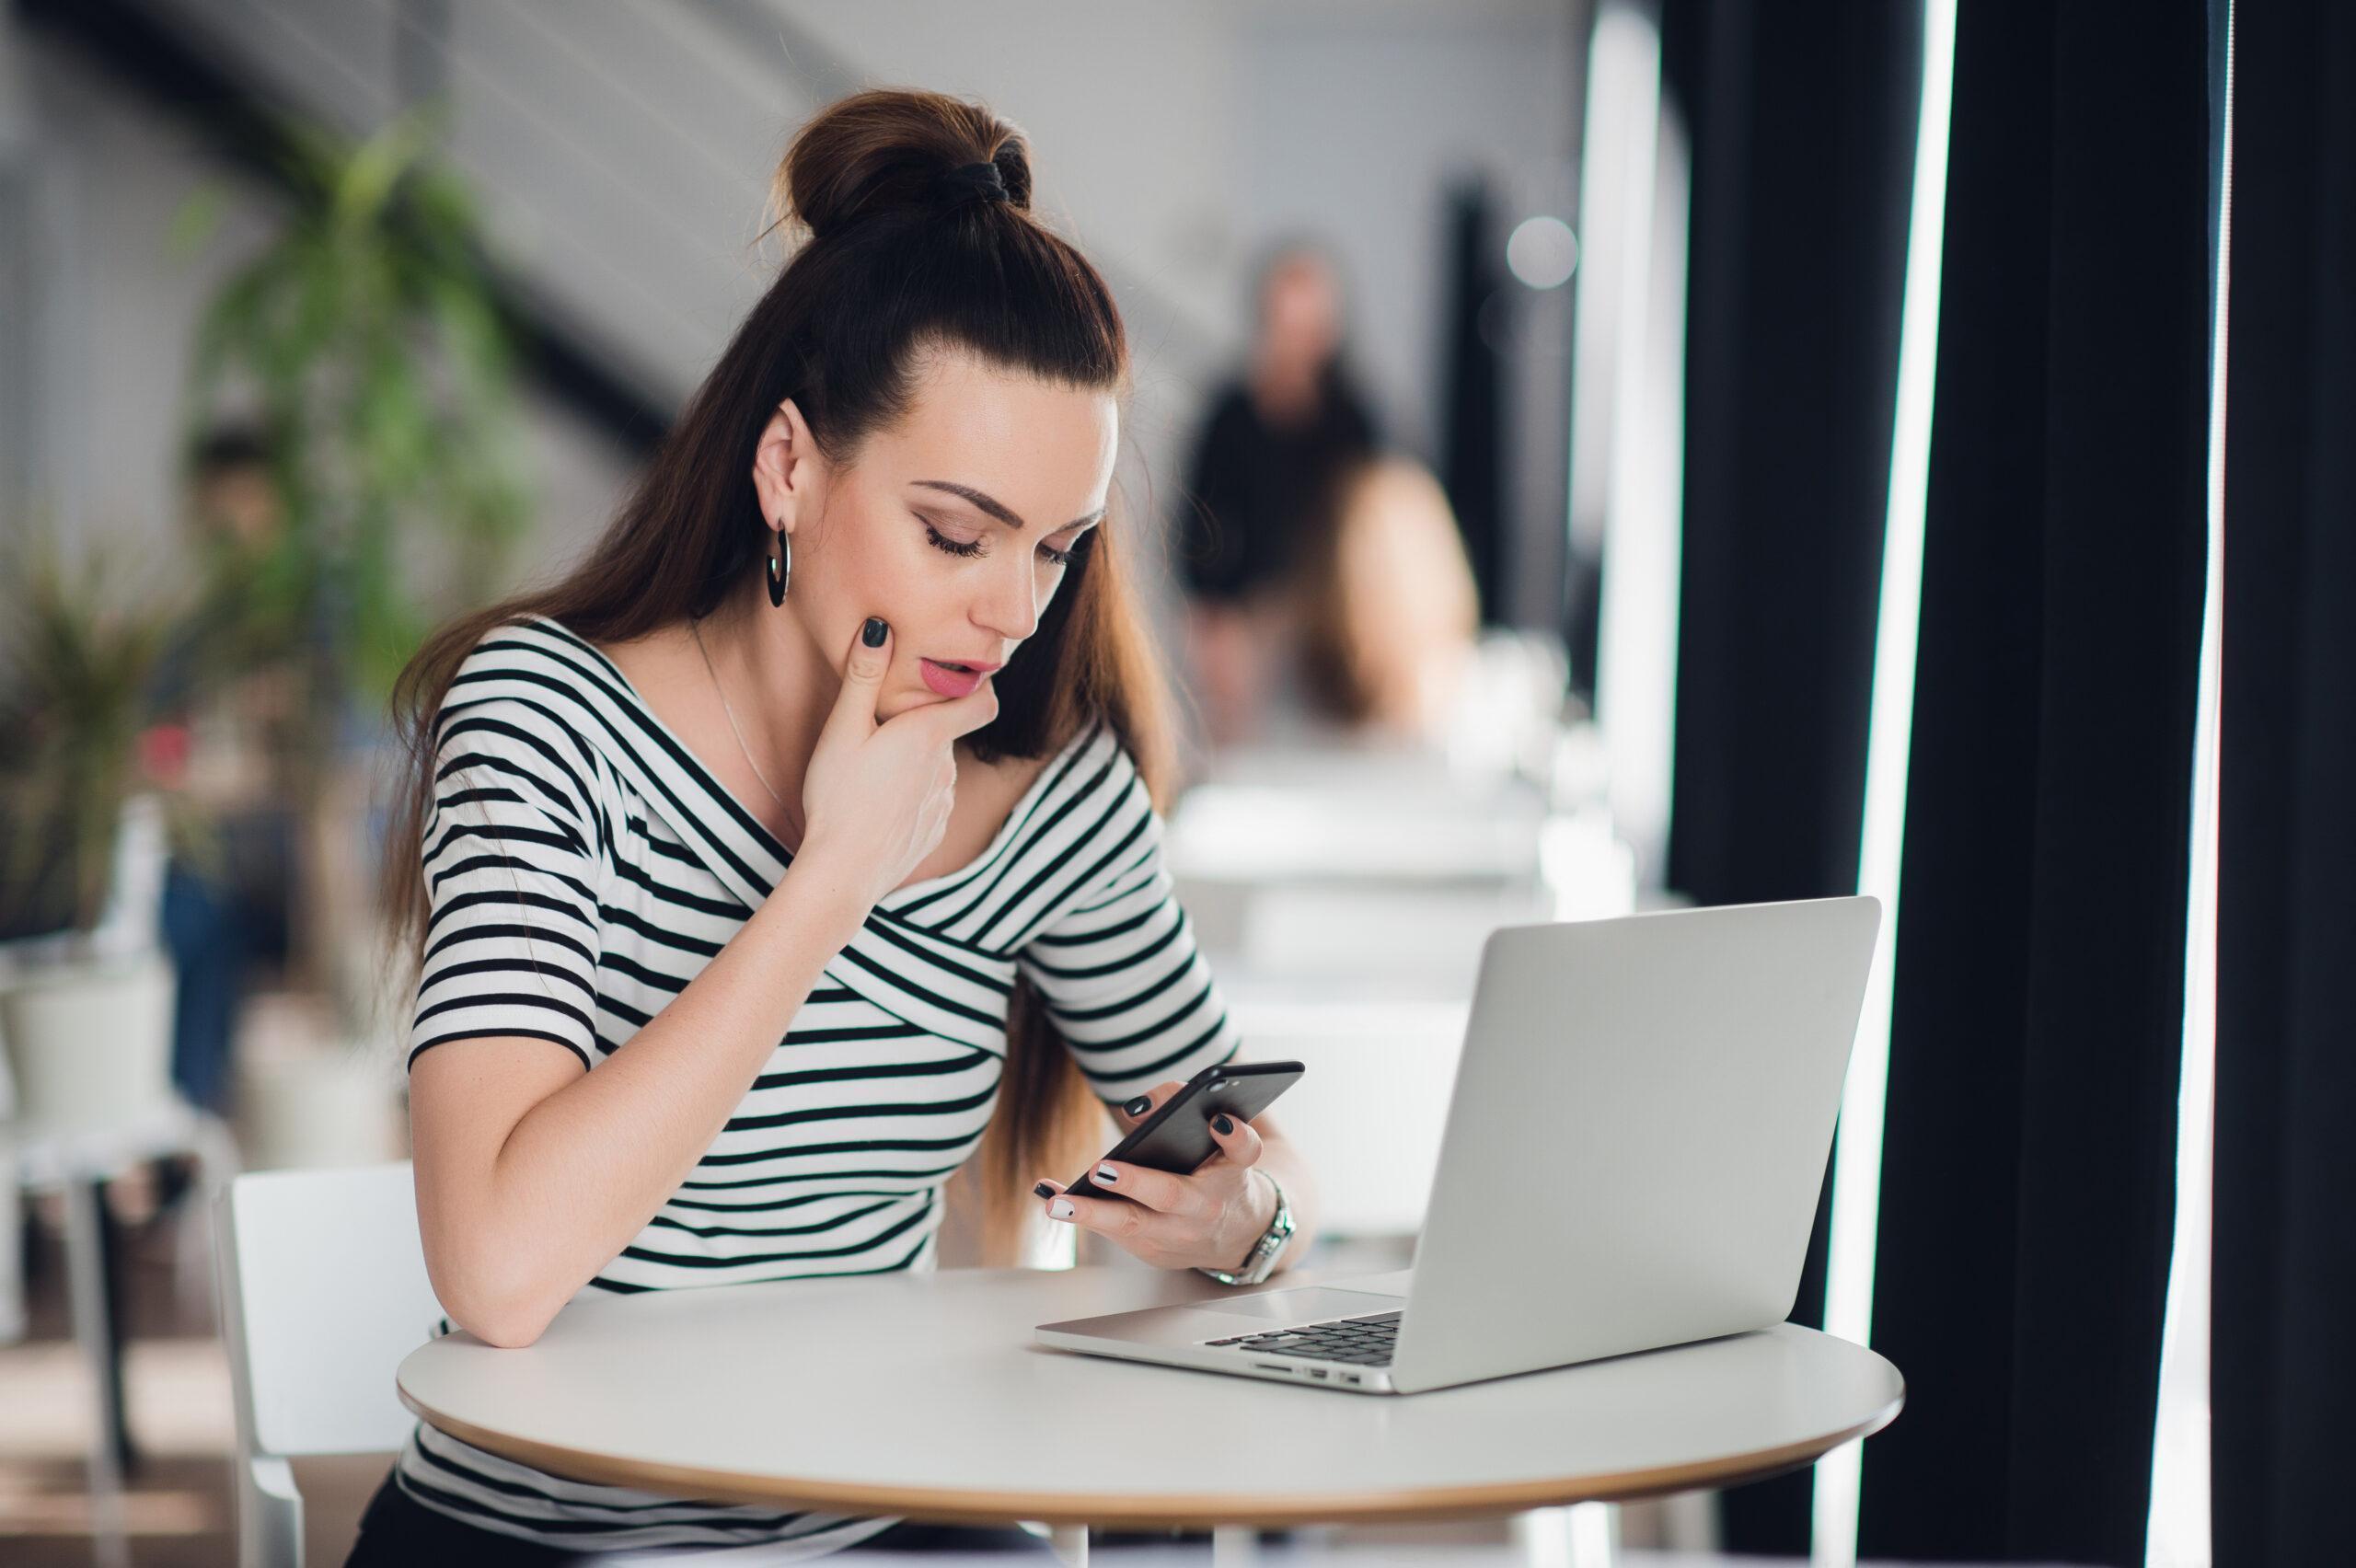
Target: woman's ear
x=789, y=474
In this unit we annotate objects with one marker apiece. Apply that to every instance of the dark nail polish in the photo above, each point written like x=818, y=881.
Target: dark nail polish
x=1224, y=1123
x=1044, y=1189
x=1139, y=1106
x=872, y=632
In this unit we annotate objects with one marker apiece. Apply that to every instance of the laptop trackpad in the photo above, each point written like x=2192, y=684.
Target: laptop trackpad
x=1305, y=1305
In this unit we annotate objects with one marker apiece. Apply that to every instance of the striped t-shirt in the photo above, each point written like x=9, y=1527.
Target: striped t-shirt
x=582, y=867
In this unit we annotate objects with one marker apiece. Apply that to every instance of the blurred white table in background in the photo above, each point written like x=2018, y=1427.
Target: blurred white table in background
x=1262, y=833
x=1342, y=896
x=1367, y=1115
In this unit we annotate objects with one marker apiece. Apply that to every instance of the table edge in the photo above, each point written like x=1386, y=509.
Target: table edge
x=1172, y=1511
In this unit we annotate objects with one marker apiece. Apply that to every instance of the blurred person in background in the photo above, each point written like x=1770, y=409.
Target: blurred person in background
x=1389, y=612
x=242, y=701
x=1260, y=482
x=228, y=917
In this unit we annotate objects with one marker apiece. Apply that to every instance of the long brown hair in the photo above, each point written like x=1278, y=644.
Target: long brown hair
x=891, y=265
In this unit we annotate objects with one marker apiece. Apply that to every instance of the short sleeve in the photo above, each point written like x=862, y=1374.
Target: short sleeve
x=513, y=873
x=1118, y=969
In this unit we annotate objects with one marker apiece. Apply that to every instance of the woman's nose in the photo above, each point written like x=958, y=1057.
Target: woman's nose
x=1011, y=610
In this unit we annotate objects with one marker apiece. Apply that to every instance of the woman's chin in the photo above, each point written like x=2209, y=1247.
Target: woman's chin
x=897, y=703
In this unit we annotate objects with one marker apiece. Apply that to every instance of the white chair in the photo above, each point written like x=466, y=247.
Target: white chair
x=323, y=1291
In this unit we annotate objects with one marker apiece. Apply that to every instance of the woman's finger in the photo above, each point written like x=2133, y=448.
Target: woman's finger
x=1236, y=1139
x=1156, y=1190
x=1146, y=1104
x=1106, y=1216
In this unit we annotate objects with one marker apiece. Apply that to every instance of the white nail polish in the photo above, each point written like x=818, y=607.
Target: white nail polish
x=1107, y=1174
x=1060, y=1209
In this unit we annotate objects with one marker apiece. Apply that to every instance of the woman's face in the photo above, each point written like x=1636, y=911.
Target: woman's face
x=1300, y=311
x=948, y=525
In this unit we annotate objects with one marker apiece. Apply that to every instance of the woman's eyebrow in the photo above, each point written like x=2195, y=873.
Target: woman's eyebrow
x=995, y=508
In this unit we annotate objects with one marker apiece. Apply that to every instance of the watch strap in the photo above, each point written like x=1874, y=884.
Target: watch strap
x=1261, y=1262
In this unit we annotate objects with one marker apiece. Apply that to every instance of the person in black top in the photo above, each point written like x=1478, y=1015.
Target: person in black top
x=1262, y=481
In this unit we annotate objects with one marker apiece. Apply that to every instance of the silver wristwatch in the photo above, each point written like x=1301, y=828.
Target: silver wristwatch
x=1262, y=1261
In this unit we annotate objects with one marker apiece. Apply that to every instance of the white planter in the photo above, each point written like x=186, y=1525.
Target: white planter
x=89, y=1042
x=308, y=1100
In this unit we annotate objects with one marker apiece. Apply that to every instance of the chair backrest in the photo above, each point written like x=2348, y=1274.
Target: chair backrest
x=323, y=1291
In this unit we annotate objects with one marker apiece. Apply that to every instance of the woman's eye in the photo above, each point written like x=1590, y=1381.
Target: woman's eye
x=954, y=546
x=970, y=548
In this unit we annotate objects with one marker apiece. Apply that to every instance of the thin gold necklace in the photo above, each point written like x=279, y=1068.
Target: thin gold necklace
x=696, y=629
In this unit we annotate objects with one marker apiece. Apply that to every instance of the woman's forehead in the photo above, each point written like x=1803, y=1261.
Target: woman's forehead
x=1044, y=448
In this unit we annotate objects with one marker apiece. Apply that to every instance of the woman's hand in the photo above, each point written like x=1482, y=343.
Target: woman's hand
x=877, y=797
x=1209, y=1220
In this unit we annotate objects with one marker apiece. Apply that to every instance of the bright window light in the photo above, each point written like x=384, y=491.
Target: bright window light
x=1627, y=422
x=2179, y=1533
x=1542, y=251
x=1856, y=1162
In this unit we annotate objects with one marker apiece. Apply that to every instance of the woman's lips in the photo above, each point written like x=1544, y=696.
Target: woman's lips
x=949, y=682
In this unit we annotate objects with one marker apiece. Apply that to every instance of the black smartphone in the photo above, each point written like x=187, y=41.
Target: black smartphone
x=1177, y=1136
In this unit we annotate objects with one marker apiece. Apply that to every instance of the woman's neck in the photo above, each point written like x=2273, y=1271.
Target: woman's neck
x=1285, y=391
x=778, y=689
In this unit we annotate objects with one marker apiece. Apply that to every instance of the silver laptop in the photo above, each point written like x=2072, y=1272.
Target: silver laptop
x=1632, y=1159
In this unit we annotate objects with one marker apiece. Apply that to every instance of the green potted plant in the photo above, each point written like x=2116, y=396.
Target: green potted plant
x=86, y=989
x=364, y=350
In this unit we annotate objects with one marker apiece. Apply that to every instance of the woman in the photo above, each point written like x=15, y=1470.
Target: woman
x=1261, y=485
x=815, y=812
x=1390, y=614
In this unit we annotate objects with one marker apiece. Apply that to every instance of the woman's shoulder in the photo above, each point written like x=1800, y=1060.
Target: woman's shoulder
x=537, y=658
x=538, y=680
x=1090, y=759
x=1007, y=777
x=1228, y=407
x=531, y=641
x=1093, y=754
x=1095, y=788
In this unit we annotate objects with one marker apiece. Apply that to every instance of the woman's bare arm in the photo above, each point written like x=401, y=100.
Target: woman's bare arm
x=533, y=1172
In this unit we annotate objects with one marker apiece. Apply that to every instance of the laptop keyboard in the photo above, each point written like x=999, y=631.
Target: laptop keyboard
x=1356, y=1342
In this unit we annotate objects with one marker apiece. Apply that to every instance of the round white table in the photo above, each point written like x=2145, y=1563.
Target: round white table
x=927, y=1396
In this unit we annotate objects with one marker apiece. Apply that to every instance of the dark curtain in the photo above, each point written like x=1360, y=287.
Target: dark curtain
x=1472, y=421
x=2027, y=1177
x=1801, y=120
x=2282, y=1372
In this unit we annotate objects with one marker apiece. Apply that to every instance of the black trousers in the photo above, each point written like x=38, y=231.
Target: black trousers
x=398, y=1531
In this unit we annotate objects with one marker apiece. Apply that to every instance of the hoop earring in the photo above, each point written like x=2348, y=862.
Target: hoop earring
x=780, y=571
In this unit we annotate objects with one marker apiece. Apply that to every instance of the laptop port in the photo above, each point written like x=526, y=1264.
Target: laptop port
x=1350, y=1377
x=1264, y=1366
x=1318, y=1373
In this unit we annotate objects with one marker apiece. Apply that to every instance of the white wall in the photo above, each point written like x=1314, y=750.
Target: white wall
x=1183, y=139
x=116, y=310
x=1172, y=141
x=1356, y=119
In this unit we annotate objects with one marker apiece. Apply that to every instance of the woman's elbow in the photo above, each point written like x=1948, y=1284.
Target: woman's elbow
x=502, y=1336
x=504, y=1312
x=503, y=1328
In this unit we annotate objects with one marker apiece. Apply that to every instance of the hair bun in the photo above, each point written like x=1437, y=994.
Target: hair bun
x=893, y=149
